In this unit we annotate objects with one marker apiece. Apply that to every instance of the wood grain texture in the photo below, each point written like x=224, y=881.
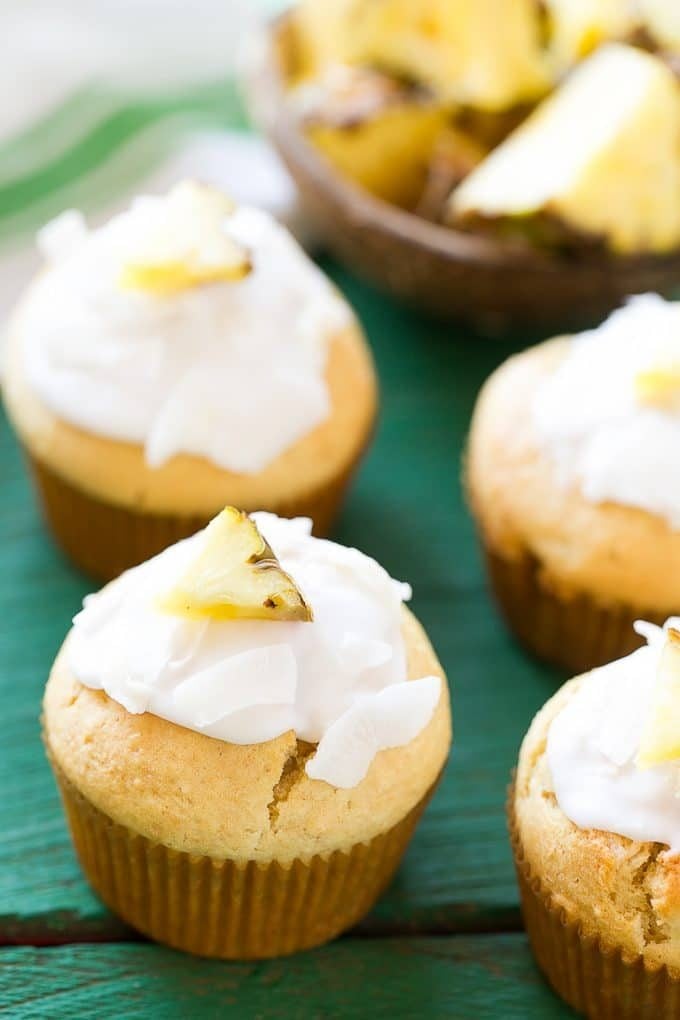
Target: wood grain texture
x=407, y=510
x=461, y=978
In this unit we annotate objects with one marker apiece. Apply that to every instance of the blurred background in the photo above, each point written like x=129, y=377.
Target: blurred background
x=103, y=98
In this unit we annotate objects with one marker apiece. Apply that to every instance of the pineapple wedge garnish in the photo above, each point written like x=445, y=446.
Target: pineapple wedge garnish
x=186, y=245
x=661, y=736
x=236, y=577
x=658, y=387
x=165, y=278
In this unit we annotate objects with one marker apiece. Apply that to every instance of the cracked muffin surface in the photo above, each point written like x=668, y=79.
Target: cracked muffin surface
x=624, y=892
x=202, y=795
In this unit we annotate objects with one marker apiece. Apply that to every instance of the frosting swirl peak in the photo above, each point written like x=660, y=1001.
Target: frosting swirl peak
x=209, y=338
x=600, y=777
x=608, y=416
x=339, y=681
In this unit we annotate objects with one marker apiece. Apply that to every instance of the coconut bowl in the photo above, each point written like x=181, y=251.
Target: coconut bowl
x=491, y=285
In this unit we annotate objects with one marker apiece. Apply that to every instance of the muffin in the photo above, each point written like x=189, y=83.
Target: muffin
x=185, y=355
x=245, y=730
x=573, y=478
x=596, y=834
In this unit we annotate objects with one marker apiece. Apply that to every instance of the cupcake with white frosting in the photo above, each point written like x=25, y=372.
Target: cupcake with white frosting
x=245, y=730
x=573, y=477
x=185, y=355
x=595, y=823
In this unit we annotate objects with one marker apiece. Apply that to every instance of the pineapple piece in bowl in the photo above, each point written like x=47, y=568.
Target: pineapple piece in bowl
x=481, y=54
x=599, y=159
x=375, y=130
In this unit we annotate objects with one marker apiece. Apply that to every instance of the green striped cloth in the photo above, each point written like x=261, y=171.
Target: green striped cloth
x=105, y=142
x=98, y=146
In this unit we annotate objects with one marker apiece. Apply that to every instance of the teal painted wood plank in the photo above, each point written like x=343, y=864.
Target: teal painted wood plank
x=462, y=978
x=407, y=510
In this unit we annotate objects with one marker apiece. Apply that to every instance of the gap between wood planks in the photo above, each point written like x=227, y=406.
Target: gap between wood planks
x=68, y=929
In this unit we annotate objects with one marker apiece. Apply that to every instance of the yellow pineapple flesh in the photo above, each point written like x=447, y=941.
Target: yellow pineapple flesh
x=236, y=576
x=658, y=387
x=186, y=245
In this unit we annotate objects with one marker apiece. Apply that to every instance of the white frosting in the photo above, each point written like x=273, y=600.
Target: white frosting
x=232, y=371
x=340, y=681
x=593, y=744
x=591, y=423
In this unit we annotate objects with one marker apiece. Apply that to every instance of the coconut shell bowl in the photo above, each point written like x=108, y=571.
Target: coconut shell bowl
x=488, y=284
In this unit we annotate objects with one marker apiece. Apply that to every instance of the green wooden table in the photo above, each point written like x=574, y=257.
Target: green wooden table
x=446, y=940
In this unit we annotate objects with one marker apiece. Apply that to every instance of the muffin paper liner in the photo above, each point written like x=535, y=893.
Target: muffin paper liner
x=104, y=539
x=600, y=980
x=230, y=909
x=575, y=633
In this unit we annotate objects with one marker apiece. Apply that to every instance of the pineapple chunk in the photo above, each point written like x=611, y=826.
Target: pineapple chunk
x=472, y=52
x=577, y=27
x=236, y=577
x=661, y=737
x=601, y=156
x=372, y=129
x=659, y=387
x=184, y=244
x=387, y=155
x=322, y=35
x=479, y=53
